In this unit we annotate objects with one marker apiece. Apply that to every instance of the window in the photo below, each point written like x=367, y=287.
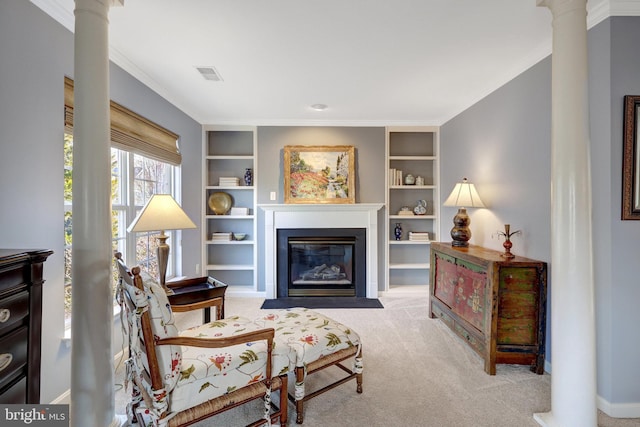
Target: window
x=144, y=161
x=134, y=179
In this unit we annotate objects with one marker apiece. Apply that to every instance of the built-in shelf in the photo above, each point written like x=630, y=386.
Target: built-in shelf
x=227, y=152
x=411, y=150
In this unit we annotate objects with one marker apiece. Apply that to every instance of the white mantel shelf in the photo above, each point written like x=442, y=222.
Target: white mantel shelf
x=328, y=215
x=322, y=207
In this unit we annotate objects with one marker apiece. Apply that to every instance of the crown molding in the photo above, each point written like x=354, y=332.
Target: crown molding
x=60, y=10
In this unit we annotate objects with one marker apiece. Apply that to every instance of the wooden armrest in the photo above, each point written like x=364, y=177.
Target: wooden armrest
x=178, y=308
x=260, y=334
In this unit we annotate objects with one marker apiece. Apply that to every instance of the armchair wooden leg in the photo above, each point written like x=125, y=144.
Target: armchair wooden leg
x=284, y=400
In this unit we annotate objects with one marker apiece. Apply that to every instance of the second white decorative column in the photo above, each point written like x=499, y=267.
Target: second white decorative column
x=573, y=351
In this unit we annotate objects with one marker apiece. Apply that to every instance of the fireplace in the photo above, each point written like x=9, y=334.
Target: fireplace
x=321, y=262
x=331, y=218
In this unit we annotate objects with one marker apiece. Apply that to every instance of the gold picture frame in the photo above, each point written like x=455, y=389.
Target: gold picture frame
x=631, y=159
x=319, y=174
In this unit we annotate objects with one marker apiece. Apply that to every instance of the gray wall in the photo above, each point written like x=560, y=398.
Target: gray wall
x=622, y=279
x=506, y=142
x=370, y=168
x=37, y=53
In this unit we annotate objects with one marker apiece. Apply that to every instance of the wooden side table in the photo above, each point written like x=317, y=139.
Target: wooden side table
x=194, y=294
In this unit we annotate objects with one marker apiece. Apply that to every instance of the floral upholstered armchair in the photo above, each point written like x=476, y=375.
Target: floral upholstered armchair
x=179, y=378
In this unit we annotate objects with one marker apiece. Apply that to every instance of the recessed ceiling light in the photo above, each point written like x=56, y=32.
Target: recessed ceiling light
x=319, y=107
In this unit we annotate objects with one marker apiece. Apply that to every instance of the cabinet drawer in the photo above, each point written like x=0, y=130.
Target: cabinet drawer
x=442, y=315
x=13, y=355
x=519, y=279
x=473, y=341
x=15, y=393
x=13, y=310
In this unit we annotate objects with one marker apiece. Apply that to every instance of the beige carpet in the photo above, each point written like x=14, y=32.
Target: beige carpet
x=416, y=373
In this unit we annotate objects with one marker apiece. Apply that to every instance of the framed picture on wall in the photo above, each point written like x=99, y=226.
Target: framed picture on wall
x=319, y=174
x=631, y=159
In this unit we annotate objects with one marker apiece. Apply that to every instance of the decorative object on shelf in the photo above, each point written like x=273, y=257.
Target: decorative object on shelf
x=220, y=202
x=161, y=213
x=228, y=181
x=464, y=195
x=248, y=177
x=239, y=211
x=395, y=177
x=405, y=211
x=419, y=180
x=239, y=236
x=319, y=174
x=398, y=231
x=421, y=208
x=221, y=236
x=419, y=236
x=409, y=179
x=507, y=233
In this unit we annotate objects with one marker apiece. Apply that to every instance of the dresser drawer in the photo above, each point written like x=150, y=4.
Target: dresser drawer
x=15, y=393
x=11, y=278
x=13, y=311
x=13, y=355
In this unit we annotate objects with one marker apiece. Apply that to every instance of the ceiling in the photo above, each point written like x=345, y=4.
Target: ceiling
x=372, y=62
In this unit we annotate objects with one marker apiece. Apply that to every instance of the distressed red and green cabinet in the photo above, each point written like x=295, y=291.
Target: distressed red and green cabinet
x=496, y=304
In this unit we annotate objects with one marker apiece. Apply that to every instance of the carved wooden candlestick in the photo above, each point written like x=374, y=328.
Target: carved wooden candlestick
x=507, y=233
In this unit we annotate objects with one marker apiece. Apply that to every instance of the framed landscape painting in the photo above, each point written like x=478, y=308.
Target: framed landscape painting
x=319, y=174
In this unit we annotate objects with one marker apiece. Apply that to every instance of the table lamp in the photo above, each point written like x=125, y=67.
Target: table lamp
x=161, y=213
x=463, y=196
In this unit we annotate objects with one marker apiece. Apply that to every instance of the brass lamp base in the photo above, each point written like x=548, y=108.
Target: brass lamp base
x=460, y=233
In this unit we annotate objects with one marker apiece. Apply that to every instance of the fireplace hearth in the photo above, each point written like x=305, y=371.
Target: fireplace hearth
x=321, y=262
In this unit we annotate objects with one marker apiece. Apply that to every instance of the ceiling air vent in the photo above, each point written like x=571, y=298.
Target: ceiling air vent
x=210, y=73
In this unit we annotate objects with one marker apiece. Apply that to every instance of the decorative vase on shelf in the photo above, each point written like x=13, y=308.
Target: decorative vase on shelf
x=398, y=231
x=421, y=208
x=419, y=180
x=409, y=179
x=248, y=177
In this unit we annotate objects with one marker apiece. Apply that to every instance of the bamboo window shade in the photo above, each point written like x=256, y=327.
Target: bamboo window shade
x=130, y=131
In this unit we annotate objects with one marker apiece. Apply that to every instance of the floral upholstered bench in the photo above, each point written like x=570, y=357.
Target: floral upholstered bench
x=307, y=342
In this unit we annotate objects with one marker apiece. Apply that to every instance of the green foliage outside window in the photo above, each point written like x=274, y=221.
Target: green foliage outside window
x=149, y=177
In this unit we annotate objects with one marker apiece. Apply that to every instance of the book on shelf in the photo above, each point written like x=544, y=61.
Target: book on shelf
x=419, y=236
x=229, y=181
x=221, y=236
x=405, y=213
x=239, y=211
x=395, y=176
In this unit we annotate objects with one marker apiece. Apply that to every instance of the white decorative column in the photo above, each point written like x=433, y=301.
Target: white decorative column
x=573, y=351
x=92, y=395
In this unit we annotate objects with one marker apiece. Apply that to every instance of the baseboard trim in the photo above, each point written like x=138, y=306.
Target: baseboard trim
x=63, y=399
x=613, y=410
x=619, y=410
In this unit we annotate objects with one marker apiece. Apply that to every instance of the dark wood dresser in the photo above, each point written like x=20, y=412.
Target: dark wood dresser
x=20, y=324
x=497, y=305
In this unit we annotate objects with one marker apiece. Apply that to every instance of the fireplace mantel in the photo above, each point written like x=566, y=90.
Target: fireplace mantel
x=357, y=215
